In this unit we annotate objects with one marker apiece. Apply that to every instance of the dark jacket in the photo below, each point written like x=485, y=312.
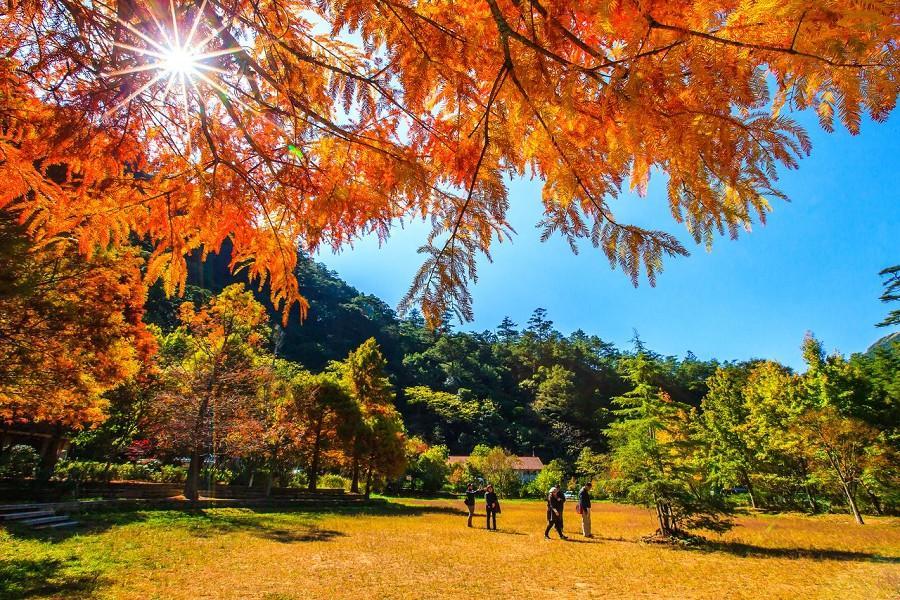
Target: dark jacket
x=470, y=497
x=555, y=502
x=491, y=501
x=584, y=498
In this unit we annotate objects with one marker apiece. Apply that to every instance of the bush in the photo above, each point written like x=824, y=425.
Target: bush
x=170, y=474
x=298, y=479
x=21, y=462
x=551, y=475
x=91, y=470
x=333, y=481
x=83, y=470
x=131, y=472
x=217, y=474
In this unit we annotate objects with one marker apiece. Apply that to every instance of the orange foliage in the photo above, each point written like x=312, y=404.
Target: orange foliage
x=70, y=326
x=306, y=140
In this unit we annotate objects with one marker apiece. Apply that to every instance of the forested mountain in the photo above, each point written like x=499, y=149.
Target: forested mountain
x=527, y=388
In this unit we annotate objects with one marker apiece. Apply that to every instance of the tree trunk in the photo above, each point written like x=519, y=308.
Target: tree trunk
x=851, y=499
x=813, y=506
x=50, y=455
x=750, y=492
x=354, y=483
x=192, y=483
x=875, y=500
x=313, y=473
x=368, y=480
x=664, y=516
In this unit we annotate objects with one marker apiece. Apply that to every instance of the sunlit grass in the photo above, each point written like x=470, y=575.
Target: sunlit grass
x=422, y=549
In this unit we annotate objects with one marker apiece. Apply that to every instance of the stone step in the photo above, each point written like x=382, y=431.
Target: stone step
x=46, y=520
x=59, y=525
x=7, y=508
x=26, y=515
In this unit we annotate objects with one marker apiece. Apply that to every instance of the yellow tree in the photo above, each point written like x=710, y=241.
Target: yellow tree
x=190, y=121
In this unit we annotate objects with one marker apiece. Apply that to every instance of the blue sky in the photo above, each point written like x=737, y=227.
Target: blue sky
x=813, y=266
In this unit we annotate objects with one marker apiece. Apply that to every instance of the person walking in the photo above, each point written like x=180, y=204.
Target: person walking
x=492, y=506
x=556, y=500
x=584, y=507
x=470, y=500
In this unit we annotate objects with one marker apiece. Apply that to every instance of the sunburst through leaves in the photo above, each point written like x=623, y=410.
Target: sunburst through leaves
x=176, y=58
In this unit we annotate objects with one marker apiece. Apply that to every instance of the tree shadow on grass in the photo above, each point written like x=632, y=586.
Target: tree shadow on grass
x=26, y=578
x=263, y=521
x=751, y=551
x=202, y=523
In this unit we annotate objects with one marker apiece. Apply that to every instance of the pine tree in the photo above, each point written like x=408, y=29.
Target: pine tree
x=654, y=458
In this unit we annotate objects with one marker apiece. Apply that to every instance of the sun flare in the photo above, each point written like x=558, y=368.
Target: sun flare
x=180, y=62
x=173, y=58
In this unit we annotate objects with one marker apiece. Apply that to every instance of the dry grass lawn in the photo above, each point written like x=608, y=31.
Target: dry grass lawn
x=422, y=549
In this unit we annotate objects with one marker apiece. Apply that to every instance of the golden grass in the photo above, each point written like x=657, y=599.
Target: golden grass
x=422, y=549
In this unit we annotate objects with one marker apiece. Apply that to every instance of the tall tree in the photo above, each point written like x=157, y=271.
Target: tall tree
x=507, y=330
x=212, y=377
x=724, y=430
x=71, y=330
x=363, y=374
x=328, y=420
x=774, y=399
x=653, y=455
x=194, y=122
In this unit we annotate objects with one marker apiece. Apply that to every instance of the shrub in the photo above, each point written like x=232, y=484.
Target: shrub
x=551, y=475
x=131, y=472
x=83, y=470
x=217, y=474
x=21, y=462
x=91, y=470
x=170, y=474
x=334, y=481
x=298, y=479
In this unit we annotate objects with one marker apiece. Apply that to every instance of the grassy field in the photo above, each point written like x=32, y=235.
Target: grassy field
x=422, y=549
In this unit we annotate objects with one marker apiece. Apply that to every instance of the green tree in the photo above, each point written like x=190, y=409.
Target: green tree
x=724, y=429
x=653, y=455
x=385, y=445
x=363, y=373
x=891, y=294
x=551, y=475
x=430, y=468
x=589, y=465
x=327, y=418
x=498, y=467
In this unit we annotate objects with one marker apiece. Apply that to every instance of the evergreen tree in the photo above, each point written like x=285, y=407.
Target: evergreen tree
x=654, y=456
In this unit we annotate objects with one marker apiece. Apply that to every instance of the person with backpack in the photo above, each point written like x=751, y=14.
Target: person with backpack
x=556, y=500
x=492, y=506
x=470, y=500
x=584, y=508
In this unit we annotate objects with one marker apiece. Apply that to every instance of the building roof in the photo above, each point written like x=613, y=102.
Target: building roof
x=523, y=463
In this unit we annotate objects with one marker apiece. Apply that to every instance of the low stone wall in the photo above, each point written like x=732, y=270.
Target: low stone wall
x=57, y=491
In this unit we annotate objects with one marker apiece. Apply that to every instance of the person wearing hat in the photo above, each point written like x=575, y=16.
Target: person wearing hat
x=492, y=505
x=556, y=500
